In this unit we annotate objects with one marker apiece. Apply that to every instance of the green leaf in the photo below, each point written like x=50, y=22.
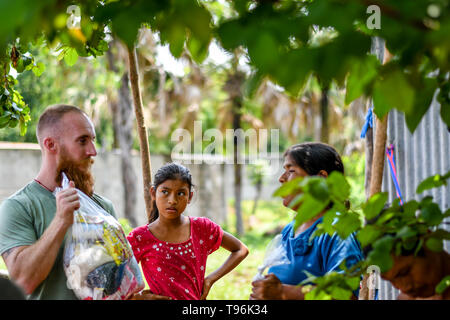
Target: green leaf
x=319, y=189
x=175, y=35
x=19, y=66
x=435, y=244
x=431, y=214
x=315, y=294
x=70, y=56
x=381, y=253
x=392, y=91
x=353, y=282
x=22, y=126
x=368, y=235
x=288, y=188
x=338, y=186
x=252, y=84
x=362, y=73
x=346, y=224
x=4, y=120
x=329, y=219
x=418, y=247
x=309, y=208
x=297, y=200
x=443, y=285
x=263, y=51
x=198, y=48
x=441, y=234
x=445, y=113
x=406, y=232
x=433, y=182
x=339, y=293
x=375, y=204
x=409, y=209
x=38, y=69
x=422, y=102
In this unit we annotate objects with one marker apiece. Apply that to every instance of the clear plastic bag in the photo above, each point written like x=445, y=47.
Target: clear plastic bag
x=98, y=260
x=275, y=255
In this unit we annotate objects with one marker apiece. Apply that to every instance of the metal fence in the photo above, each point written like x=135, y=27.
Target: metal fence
x=417, y=156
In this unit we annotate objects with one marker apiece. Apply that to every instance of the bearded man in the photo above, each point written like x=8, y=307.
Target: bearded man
x=33, y=221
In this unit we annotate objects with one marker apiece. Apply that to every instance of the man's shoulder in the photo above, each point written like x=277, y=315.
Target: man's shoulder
x=105, y=203
x=20, y=198
x=101, y=199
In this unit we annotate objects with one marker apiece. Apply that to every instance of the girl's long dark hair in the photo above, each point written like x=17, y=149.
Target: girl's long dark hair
x=169, y=171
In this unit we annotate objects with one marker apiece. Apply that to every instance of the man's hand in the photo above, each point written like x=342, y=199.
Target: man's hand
x=148, y=295
x=67, y=201
x=270, y=288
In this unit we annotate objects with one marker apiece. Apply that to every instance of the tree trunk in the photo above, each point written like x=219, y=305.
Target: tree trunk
x=237, y=169
x=257, y=196
x=369, y=158
x=224, y=204
x=142, y=130
x=324, y=130
x=376, y=178
x=378, y=155
x=123, y=128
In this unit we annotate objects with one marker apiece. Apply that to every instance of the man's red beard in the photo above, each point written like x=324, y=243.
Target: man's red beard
x=78, y=172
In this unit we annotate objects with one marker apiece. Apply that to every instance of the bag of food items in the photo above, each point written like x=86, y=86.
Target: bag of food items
x=275, y=255
x=98, y=260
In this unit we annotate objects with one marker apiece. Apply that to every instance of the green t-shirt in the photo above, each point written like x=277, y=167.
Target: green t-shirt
x=24, y=216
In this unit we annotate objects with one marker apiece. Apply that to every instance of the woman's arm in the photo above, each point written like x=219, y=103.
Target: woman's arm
x=238, y=253
x=271, y=288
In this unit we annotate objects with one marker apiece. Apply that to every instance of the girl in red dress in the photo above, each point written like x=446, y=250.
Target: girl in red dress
x=172, y=248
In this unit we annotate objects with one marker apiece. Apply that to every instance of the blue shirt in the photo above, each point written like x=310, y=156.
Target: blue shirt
x=321, y=255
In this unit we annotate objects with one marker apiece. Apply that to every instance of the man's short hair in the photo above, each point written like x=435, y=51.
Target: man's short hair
x=51, y=117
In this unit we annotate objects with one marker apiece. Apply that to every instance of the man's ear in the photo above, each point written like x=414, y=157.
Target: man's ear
x=50, y=145
x=323, y=173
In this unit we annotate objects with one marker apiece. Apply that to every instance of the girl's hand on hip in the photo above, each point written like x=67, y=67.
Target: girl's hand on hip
x=207, y=284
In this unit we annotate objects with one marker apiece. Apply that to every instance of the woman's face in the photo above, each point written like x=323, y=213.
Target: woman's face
x=172, y=197
x=291, y=171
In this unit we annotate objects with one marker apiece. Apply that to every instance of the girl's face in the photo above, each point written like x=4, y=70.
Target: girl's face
x=172, y=197
x=291, y=171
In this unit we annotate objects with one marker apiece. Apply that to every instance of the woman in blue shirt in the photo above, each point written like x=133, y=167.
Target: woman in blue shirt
x=323, y=253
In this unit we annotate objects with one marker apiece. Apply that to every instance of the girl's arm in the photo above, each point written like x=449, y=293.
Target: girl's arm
x=238, y=253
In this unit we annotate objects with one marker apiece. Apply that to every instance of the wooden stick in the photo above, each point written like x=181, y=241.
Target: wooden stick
x=142, y=130
x=376, y=179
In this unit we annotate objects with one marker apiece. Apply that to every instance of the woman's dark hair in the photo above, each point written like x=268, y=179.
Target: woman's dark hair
x=169, y=171
x=315, y=156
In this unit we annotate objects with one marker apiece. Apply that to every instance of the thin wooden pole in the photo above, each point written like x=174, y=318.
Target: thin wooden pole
x=142, y=130
x=376, y=179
